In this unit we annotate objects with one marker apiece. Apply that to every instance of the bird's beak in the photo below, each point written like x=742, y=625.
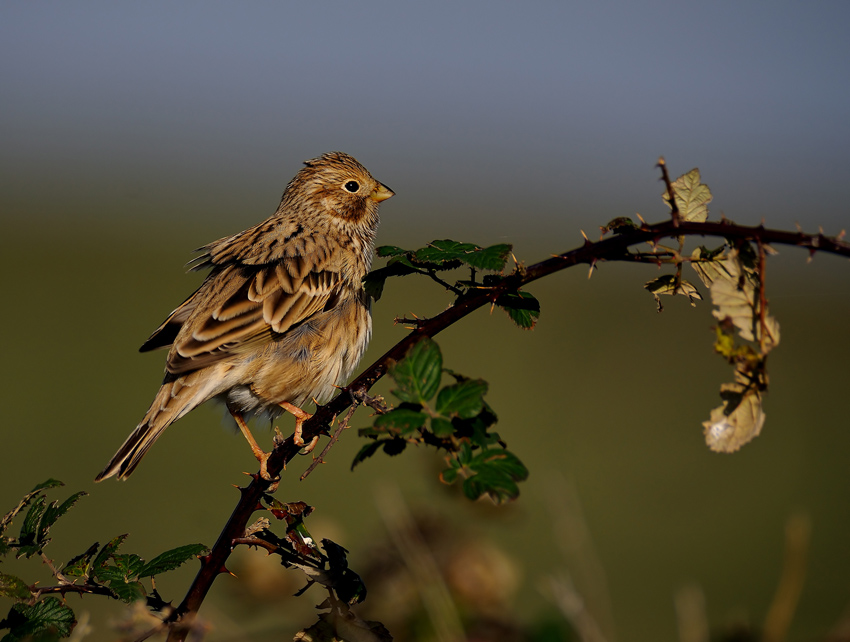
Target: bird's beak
x=381, y=193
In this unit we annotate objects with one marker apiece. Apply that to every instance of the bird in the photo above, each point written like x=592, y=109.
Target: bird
x=282, y=318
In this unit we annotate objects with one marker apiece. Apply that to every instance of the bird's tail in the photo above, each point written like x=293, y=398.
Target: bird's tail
x=174, y=399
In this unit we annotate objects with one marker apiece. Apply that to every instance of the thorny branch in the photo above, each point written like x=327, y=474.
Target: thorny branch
x=63, y=589
x=613, y=248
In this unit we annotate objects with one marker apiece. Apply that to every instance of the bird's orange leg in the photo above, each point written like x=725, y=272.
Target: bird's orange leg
x=300, y=417
x=261, y=455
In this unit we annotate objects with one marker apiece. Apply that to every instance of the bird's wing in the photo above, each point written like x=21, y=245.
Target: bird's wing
x=241, y=306
x=165, y=334
x=266, y=243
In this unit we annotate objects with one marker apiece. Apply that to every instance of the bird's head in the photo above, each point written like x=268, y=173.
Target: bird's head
x=336, y=185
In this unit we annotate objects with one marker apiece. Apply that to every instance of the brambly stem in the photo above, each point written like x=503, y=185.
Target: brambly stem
x=612, y=248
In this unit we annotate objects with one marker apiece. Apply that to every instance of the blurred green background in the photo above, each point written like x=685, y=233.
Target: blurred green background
x=132, y=134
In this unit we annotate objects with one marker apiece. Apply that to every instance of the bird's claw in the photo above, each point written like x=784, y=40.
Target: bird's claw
x=309, y=448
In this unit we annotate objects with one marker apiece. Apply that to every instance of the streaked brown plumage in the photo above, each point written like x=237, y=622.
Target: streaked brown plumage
x=282, y=316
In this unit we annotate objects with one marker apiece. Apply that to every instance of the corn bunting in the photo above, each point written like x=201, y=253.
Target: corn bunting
x=282, y=317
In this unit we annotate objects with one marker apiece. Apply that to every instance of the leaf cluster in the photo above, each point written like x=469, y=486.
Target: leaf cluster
x=326, y=565
x=98, y=570
x=745, y=333
x=447, y=255
x=454, y=418
x=122, y=572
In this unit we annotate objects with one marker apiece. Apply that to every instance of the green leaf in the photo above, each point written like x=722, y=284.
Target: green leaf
x=502, y=460
x=692, y=197
x=490, y=258
x=367, y=451
x=106, y=553
x=389, y=250
x=404, y=260
x=122, y=577
x=40, y=518
x=393, y=447
x=371, y=432
x=127, y=592
x=50, y=483
x=174, y=558
x=27, y=538
x=444, y=251
x=449, y=475
x=47, y=616
x=442, y=427
x=8, y=517
x=14, y=587
x=479, y=426
x=497, y=472
x=500, y=488
x=129, y=565
x=464, y=399
x=80, y=565
x=374, y=282
x=494, y=472
x=54, y=512
x=464, y=455
x=522, y=308
x=401, y=420
x=418, y=374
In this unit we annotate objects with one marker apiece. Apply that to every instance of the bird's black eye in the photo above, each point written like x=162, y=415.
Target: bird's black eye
x=352, y=186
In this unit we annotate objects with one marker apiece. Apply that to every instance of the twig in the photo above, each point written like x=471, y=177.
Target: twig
x=415, y=321
x=445, y=284
x=675, y=214
x=80, y=589
x=376, y=403
x=256, y=541
x=341, y=425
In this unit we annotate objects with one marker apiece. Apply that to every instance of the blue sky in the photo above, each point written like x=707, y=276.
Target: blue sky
x=523, y=118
